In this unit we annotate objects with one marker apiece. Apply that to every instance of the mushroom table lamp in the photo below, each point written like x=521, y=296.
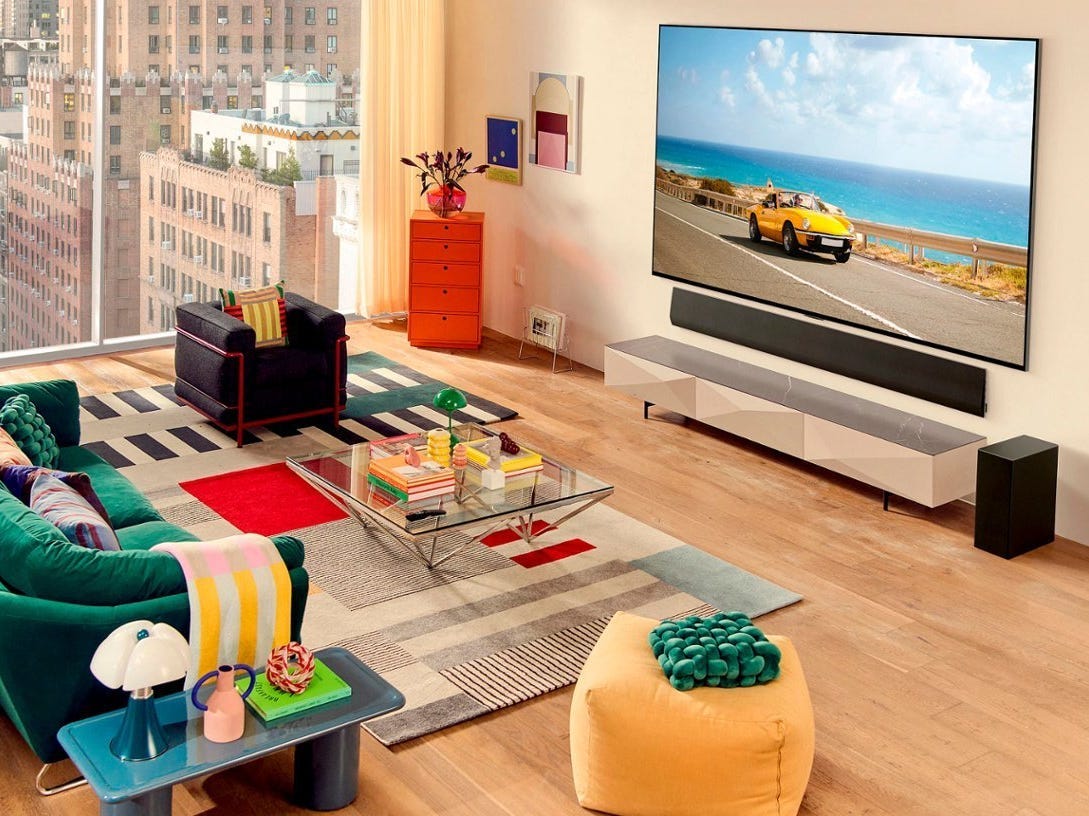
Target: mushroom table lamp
x=135, y=657
x=449, y=400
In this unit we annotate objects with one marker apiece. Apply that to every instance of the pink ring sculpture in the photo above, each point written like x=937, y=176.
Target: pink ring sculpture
x=290, y=668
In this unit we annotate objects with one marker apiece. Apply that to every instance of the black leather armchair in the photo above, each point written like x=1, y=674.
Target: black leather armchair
x=220, y=374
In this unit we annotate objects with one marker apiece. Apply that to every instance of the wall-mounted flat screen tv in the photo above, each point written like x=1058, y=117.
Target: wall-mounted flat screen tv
x=878, y=180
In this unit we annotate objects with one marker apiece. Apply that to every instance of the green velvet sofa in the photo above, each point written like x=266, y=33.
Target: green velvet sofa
x=59, y=600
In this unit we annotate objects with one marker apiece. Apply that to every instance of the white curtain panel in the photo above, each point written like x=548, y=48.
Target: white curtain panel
x=403, y=77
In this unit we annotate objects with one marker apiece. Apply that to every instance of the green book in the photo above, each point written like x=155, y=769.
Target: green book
x=270, y=703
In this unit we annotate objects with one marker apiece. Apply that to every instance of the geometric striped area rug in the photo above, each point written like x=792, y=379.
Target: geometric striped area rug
x=484, y=631
x=385, y=398
x=499, y=623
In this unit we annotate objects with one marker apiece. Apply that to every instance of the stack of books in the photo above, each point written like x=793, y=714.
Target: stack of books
x=411, y=482
x=512, y=464
x=271, y=703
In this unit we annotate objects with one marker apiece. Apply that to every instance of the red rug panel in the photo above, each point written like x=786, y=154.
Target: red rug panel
x=268, y=500
x=507, y=535
x=553, y=552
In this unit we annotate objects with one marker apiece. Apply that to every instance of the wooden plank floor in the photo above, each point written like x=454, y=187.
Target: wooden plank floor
x=945, y=680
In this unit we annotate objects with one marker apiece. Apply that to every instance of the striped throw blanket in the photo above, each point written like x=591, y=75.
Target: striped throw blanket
x=239, y=600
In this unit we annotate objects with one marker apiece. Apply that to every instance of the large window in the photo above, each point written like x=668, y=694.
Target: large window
x=123, y=202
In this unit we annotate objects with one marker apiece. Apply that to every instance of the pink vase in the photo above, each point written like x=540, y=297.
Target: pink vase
x=446, y=201
x=224, y=713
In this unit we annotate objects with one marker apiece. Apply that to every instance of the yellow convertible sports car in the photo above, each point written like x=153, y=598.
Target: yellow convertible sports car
x=801, y=221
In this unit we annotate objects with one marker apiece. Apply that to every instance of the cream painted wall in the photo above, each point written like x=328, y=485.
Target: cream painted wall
x=585, y=240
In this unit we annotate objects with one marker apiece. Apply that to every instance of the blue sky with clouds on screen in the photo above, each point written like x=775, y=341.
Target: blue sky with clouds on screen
x=957, y=106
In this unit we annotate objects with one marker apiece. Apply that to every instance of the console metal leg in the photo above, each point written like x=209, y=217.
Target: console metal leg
x=646, y=409
x=156, y=803
x=327, y=770
x=886, y=498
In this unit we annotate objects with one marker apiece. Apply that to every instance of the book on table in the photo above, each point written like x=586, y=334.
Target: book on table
x=524, y=460
x=271, y=703
x=394, y=474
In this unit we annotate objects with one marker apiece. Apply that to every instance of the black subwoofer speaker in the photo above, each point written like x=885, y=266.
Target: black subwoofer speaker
x=1015, y=495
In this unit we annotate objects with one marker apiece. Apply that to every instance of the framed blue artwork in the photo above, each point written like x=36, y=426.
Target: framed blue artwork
x=504, y=149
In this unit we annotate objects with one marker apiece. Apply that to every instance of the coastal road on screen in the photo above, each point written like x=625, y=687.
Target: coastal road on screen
x=697, y=244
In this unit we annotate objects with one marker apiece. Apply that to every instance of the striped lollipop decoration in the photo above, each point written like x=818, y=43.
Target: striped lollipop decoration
x=290, y=668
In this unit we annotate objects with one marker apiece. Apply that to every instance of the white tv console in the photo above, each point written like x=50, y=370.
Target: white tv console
x=897, y=452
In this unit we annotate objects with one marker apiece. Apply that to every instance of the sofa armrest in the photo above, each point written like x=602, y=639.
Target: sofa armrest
x=58, y=403
x=206, y=322
x=51, y=684
x=310, y=324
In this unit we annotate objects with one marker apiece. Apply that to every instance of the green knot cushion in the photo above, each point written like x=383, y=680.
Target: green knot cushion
x=724, y=650
x=30, y=431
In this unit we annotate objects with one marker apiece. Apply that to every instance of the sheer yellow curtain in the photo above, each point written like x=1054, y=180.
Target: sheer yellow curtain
x=403, y=76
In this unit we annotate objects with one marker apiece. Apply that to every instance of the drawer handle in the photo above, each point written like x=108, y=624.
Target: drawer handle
x=446, y=226
x=445, y=246
x=444, y=317
x=444, y=267
x=444, y=291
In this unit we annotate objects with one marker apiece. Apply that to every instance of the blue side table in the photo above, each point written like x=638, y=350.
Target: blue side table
x=326, y=740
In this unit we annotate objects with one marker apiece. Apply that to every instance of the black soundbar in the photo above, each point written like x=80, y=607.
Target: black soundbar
x=935, y=379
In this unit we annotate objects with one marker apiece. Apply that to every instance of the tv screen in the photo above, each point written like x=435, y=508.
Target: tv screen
x=878, y=180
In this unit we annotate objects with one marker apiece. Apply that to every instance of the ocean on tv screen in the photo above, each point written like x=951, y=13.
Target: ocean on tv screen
x=972, y=208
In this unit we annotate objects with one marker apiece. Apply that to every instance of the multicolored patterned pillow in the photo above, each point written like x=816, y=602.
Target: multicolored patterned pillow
x=263, y=309
x=10, y=453
x=20, y=478
x=61, y=505
x=20, y=418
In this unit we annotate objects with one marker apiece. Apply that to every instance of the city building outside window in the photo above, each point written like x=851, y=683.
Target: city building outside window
x=153, y=15
x=289, y=15
x=222, y=16
x=153, y=44
x=247, y=15
x=194, y=43
x=331, y=44
x=310, y=16
x=308, y=43
x=115, y=165
x=115, y=104
x=70, y=132
x=115, y=134
x=247, y=44
x=194, y=15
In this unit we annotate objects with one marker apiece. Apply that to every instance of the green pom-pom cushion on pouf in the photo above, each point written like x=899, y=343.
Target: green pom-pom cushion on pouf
x=30, y=431
x=723, y=650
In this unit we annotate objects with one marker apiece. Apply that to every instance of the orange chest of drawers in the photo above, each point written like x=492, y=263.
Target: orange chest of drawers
x=444, y=281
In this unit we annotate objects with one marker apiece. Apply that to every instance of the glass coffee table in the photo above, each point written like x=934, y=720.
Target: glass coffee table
x=472, y=510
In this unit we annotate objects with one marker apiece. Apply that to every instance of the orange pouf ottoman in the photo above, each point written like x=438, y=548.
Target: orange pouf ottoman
x=639, y=747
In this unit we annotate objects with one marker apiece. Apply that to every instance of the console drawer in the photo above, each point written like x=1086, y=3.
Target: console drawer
x=445, y=251
x=444, y=274
x=440, y=329
x=444, y=299
x=445, y=231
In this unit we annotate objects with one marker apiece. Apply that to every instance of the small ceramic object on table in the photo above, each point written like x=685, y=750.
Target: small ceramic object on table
x=224, y=713
x=438, y=446
x=290, y=667
x=412, y=456
x=459, y=460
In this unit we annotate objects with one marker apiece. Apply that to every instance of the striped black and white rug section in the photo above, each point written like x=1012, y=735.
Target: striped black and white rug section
x=529, y=669
x=125, y=441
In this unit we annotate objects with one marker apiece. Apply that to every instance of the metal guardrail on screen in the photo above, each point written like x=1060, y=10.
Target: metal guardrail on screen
x=915, y=241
